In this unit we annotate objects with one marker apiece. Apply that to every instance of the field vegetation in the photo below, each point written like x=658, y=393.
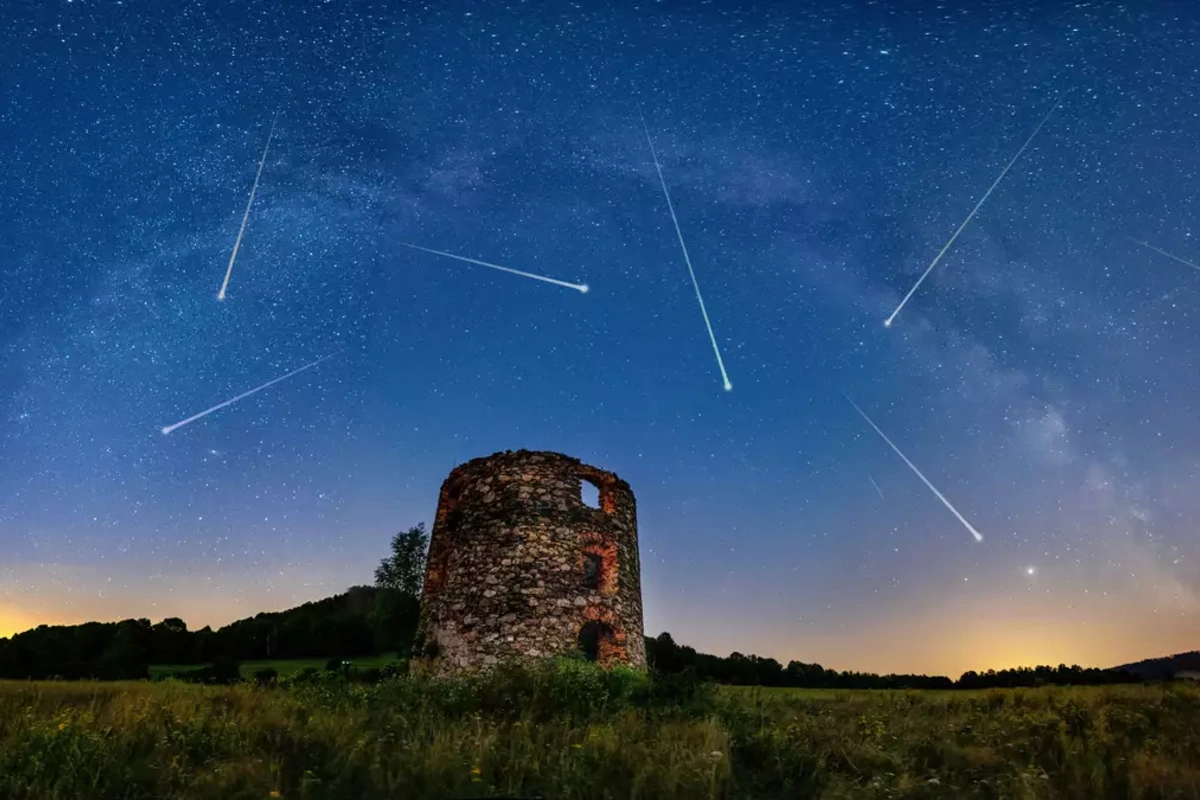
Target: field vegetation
x=283, y=668
x=567, y=729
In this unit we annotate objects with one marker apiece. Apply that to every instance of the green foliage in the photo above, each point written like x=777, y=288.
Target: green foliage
x=265, y=677
x=396, y=669
x=223, y=671
x=404, y=570
x=398, y=580
x=393, y=620
x=284, y=668
x=570, y=730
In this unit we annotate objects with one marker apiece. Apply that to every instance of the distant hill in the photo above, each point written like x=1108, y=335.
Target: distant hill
x=1157, y=669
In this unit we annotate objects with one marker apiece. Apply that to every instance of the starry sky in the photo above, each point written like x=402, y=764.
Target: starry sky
x=818, y=157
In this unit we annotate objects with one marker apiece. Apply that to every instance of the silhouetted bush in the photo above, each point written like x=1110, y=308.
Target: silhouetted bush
x=683, y=690
x=225, y=670
x=397, y=669
x=306, y=676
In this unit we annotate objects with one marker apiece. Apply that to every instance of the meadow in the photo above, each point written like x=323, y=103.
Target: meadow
x=568, y=730
x=284, y=668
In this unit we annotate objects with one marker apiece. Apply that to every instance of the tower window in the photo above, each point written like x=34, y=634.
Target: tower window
x=596, y=642
x=589, y=493
x=591, y=570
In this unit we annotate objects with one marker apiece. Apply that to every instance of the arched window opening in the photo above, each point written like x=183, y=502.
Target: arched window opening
x=593, y=563
x=589, y=494
x=598, y=567
x=595, y=641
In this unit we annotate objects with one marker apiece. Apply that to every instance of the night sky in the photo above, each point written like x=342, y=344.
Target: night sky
x=1043, y=377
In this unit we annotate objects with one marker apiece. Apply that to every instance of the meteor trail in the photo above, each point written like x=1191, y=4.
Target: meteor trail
x=986, y=195
x=978, y=536
x=244, y=395
x=687, y=259
x=253, y=190
x=1165, y=253
x=876, y=485
x=582, y=288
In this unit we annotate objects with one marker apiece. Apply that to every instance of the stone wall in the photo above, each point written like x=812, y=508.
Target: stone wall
x=509, y=573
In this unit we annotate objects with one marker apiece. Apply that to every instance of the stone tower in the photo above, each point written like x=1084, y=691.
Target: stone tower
x=521, y=567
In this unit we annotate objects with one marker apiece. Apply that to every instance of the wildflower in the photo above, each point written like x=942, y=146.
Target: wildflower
x=274, y=793
x=476, y=770
x=62, y=726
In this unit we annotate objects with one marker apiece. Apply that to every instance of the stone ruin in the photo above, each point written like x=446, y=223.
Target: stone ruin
x=520, y=567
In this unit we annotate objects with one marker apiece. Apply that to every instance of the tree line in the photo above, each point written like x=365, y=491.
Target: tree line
x=363, y=621
x=664, y=655
x=378, y=619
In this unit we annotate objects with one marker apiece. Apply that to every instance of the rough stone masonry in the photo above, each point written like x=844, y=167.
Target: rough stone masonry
x=521, y=568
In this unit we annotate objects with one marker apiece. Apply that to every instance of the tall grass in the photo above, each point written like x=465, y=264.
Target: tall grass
x=568, y=730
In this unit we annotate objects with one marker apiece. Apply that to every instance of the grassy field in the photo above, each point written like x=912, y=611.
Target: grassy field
x=571, y=731
x=285, y=668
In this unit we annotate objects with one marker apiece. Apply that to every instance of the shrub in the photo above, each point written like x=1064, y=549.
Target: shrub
x=265, y=677
x=370, y=675
x=304, y=677
x=224, y=671
x=397, y=669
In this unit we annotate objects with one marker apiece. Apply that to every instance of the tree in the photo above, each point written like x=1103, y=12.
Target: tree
x=399, y=578
x=663, y=653
x=170, y=642
x=404, y=570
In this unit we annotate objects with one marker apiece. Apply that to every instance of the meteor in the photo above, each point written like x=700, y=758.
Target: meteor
x=582, y=288
x=253, y=190
x=888, y=322
x=1165, y=253
x=871, y=478
x=687, y=259
x=244, y=395
x=978, y=536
